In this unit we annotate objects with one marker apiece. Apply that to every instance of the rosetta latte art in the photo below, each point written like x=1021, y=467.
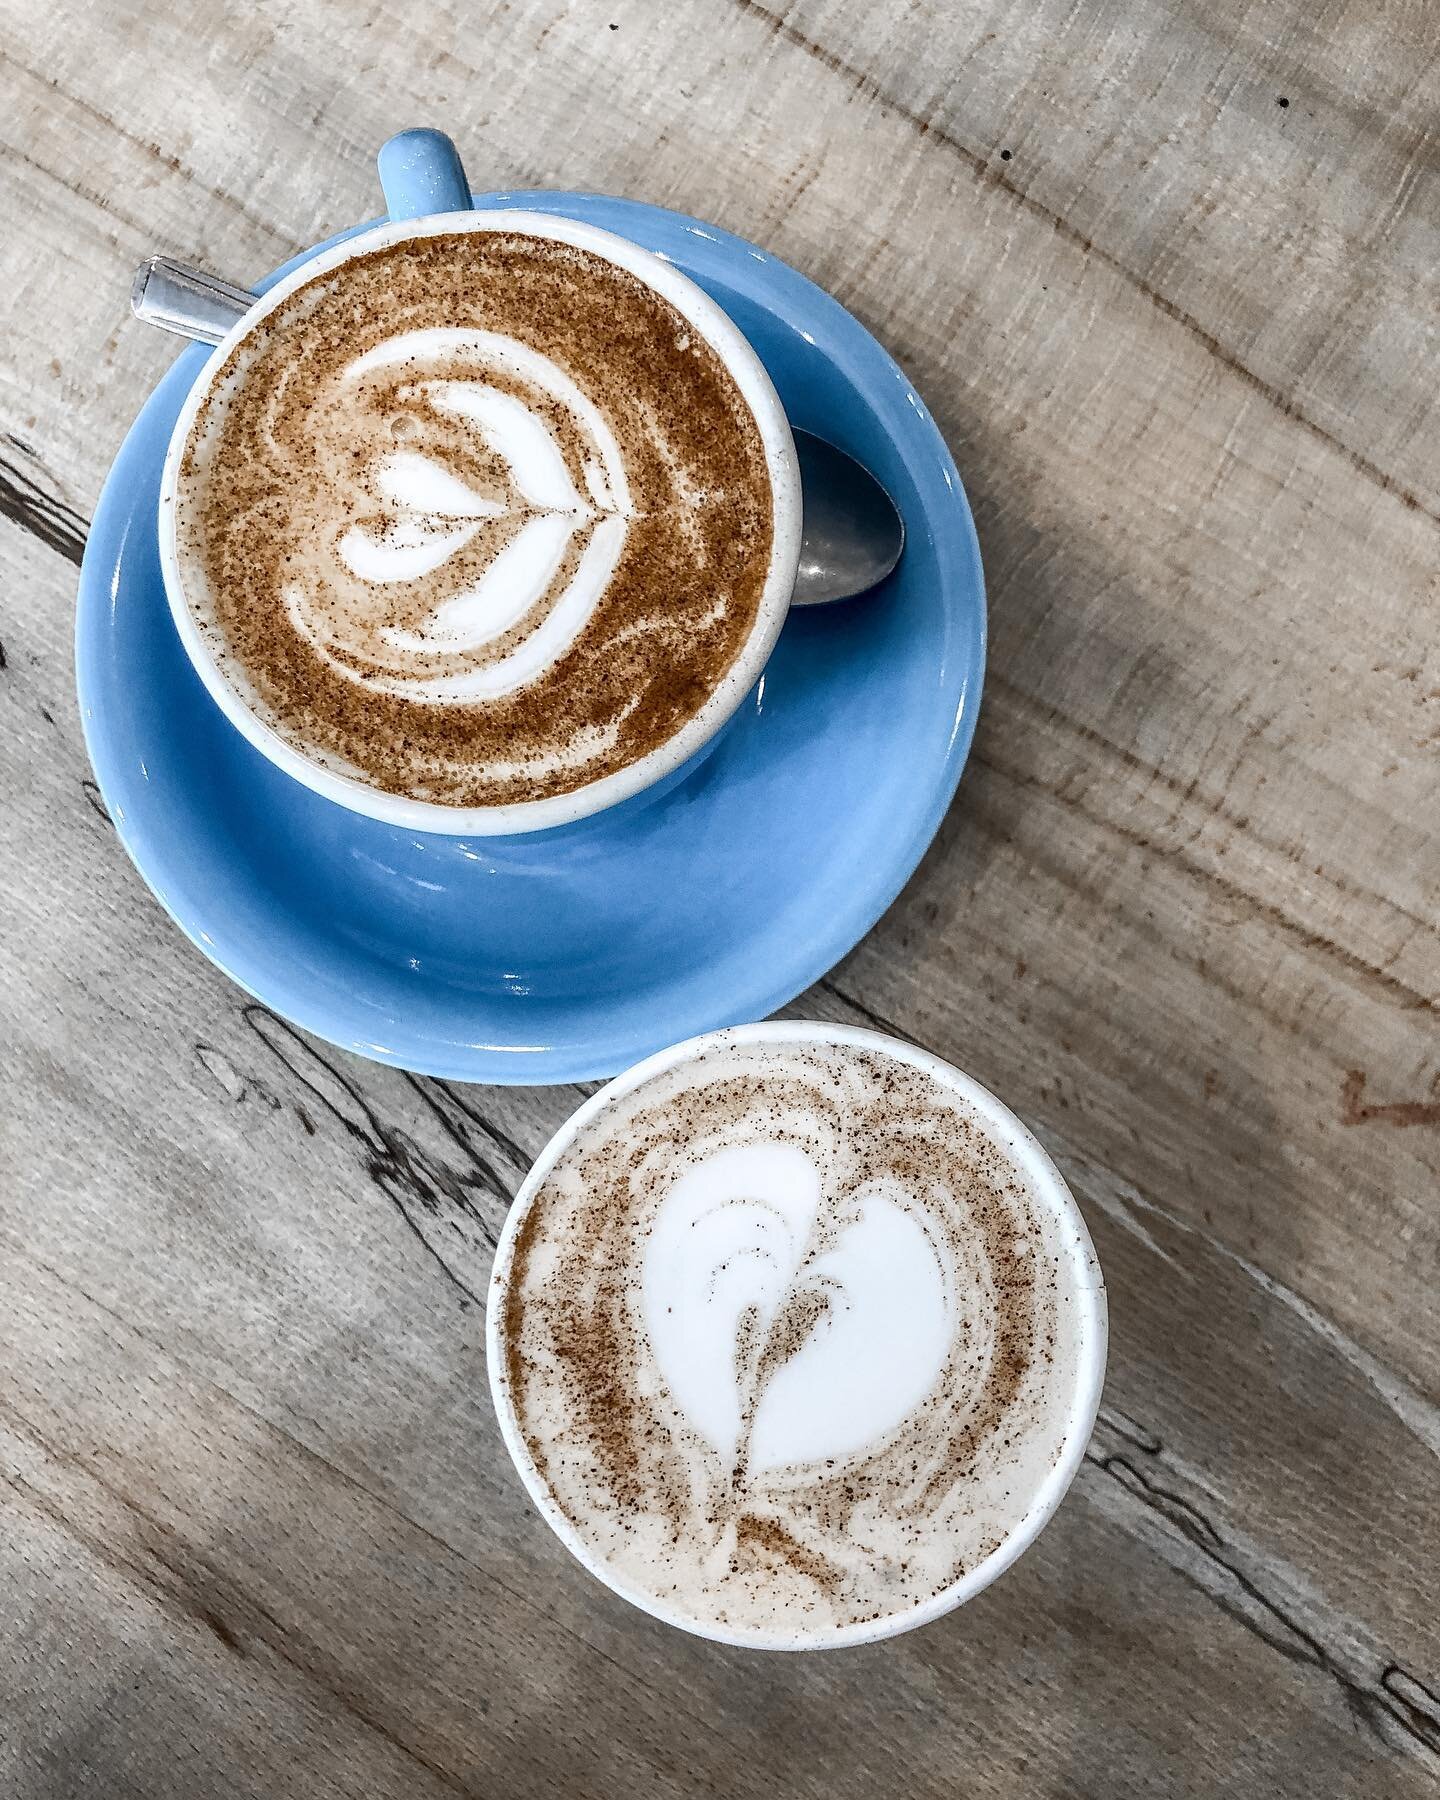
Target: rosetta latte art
x=782, y=1330
x=478, y=518
x=476, y=530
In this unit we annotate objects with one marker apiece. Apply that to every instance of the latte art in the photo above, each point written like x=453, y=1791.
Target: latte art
x=788, y=1337
x=477, y=518
x=472, y=537
x=783, y=1337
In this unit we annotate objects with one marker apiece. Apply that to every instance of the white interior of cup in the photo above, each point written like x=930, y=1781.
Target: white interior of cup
x=242, y=707
x=1087, y=1286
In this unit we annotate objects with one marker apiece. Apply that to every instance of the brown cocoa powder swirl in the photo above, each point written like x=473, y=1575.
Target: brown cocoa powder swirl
x=813, y=1546
x=292, y=462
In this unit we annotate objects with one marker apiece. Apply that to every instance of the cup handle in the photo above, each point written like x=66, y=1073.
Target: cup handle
x=420, y=174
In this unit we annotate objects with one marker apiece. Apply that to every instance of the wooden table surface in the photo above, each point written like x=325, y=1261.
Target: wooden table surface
x=1166, y=273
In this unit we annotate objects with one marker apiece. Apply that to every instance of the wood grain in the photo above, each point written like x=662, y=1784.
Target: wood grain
x=259, y=1535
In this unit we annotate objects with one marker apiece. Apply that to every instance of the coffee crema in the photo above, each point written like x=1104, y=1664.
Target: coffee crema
x=789, y=1338
x=479, y=518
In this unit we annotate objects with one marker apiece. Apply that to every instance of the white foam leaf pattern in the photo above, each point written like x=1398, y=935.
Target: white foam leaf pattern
x=490, y=606
x=734, y=1252
x=513, y=432
x=434, y=515
x=507, y=355
x=407, y=551
x=422, y=485
x=548, y=642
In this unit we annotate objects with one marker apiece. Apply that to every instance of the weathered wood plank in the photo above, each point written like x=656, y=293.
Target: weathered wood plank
x=1262, y=178
x=1182, y=917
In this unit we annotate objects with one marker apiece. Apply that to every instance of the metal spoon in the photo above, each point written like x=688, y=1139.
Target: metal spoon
x=851, y=531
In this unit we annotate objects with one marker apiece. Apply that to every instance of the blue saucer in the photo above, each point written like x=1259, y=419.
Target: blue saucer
x=568, y=956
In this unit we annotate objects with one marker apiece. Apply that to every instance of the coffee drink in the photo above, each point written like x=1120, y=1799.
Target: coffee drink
x=790, y=1334
x=477, y=517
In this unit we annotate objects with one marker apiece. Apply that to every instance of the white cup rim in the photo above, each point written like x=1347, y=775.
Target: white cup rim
x=1053, y=1193
x=749, y=374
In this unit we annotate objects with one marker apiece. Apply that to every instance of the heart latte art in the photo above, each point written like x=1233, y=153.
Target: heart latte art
x=788, y=1337
x=478, y=517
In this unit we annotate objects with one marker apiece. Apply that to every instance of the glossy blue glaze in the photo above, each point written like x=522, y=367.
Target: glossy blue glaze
x=569, y=955
x=420, y=173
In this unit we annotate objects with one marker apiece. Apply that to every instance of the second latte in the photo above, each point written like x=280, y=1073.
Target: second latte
x=795, y=1335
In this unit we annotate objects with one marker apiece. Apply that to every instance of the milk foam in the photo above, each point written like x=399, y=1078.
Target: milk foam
x=538, y=587
x=732, y=1244
x=790, y=1337
x=477, y=518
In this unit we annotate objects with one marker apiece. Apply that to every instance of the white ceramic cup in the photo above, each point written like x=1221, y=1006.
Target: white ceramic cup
x=1084, y=1380
x=225, y=682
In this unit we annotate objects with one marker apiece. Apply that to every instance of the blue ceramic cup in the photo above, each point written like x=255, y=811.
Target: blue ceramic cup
x=427, y=195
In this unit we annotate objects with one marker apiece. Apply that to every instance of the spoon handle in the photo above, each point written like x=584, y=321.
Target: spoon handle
x=185, y=300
